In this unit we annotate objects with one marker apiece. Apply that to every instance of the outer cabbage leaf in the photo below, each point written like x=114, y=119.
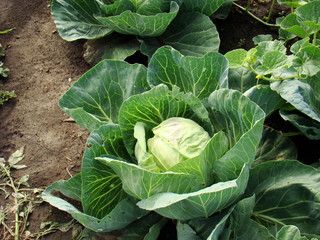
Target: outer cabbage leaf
x=101, y=187
x=129, y=22
x=289, y=232
x=142, y=183
x=267, y=99
x=302, y=94
x=144, y=7
x=198, y=75
x=94, y=100
x=192, y=34
x=275, y=146
x=207, y=7
x=70, y=188
x=213, y=227
x=113, y=46
x=75, y=19
x=202, y=203
x=97, y=187
x=147, y=228
x=287, y=193
x=187, y=176
x=307, y=126
x=121, y=216
x=242, y=226
x=241, y=120
x=185, y=232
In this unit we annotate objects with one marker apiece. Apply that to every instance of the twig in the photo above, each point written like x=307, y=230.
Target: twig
x=254, y=16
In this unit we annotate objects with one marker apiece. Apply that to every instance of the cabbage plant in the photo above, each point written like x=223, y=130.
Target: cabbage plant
x=130, y=25
x=171, y=143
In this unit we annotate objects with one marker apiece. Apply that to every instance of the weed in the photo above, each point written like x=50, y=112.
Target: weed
x=25, y=199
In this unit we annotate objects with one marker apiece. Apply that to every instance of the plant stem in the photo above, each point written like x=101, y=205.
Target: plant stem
x=259, y=76
x=16, y=230
x=314, y=40
x=255, y=17
x=270, y=10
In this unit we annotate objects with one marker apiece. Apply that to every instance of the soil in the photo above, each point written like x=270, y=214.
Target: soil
x=42, y=68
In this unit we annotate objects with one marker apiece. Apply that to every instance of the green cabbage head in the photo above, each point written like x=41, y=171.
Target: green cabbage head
x=175, y=140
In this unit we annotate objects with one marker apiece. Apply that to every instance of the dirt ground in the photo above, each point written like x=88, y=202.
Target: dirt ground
x=42, y=68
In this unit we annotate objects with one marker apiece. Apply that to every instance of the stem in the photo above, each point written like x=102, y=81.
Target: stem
x=268, y=79
x=270, y=10
x=16, y=230
x=7, y=228
x=255, y=17
x=267, y=218
x=314, y=40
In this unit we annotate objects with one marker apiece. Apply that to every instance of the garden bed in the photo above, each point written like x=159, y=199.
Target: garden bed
x=42, y=68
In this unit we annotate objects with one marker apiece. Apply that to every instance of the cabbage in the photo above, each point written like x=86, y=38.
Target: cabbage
x=175, y=140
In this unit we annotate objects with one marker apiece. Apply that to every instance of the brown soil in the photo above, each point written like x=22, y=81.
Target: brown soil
x=42, y=67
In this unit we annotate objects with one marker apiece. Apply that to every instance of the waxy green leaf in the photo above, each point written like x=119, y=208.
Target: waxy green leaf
x=142, y=183
x=310, y=128
x=75, y=19
x=147, y=228
x=113, y=46
x=287, y=193
x=185, y=232
x=289, y=232
x=101, y=187
x=202, y=203
x=243, y=127
x=198, y=75
x=241, y=79
x=192, y=34
x=302, y=94
x=267, y=99
x=94, y=100
x=129, y=22
x=206, y=7
x=275, y=146
x=121, y=216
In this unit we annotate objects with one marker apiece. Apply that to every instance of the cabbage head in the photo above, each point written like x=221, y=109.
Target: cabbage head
x=175, y=140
